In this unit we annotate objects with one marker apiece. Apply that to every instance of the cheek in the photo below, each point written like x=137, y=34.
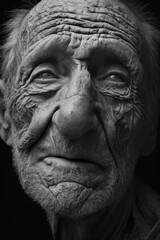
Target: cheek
x=131, y=132
x=21, y=111
x=122, y=123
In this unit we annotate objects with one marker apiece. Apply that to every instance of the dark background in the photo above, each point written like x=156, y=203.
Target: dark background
x=21, y=218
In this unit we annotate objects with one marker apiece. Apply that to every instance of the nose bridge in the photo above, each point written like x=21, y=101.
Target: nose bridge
x=81, y=83
x=77, y=114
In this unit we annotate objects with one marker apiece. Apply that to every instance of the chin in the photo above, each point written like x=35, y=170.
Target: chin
x=69, y=198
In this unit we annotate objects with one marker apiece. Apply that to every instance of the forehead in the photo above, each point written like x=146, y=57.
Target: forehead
x=81, y=19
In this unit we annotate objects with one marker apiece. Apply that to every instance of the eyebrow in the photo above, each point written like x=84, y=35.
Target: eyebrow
x=52, y=46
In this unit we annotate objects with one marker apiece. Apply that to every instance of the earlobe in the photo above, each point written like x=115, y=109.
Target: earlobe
x=5, y=126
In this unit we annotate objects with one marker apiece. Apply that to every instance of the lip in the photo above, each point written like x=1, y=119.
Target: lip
x=57, y=170
x=69, y=162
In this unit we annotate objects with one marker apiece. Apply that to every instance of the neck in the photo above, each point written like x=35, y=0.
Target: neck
x=102, y=225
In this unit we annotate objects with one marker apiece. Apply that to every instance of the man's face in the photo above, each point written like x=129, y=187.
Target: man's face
x=77, y=120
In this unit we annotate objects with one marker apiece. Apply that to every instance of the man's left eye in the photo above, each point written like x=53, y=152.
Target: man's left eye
x=117, y=77
x=114, y=74
x=114, y=82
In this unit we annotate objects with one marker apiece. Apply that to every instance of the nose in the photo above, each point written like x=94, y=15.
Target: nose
x=78, y=112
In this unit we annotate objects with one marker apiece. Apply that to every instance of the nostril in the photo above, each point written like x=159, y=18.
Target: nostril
x=56, y=109
x=98, y=107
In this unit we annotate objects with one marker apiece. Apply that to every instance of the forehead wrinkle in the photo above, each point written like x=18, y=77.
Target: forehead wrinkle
x=54, y=47
x=57, y=18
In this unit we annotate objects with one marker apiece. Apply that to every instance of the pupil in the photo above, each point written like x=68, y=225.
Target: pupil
x=46, y=75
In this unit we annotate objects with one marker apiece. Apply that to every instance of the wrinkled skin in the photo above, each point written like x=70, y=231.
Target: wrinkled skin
x=73, y=108
x=78, y=107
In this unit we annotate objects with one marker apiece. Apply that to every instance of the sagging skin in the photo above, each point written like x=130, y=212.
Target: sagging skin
x=78, y=113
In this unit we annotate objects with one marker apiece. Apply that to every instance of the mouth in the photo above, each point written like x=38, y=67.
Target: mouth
x=58, y=169
x=62, y=161
x=73, y=161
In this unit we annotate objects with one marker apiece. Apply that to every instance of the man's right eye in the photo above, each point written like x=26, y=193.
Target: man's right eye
x=45, y=72
x=45, y=75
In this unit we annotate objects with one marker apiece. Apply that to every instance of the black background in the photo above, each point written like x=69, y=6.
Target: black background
x=21, y=218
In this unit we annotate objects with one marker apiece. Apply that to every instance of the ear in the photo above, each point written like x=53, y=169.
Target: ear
x=5, y=126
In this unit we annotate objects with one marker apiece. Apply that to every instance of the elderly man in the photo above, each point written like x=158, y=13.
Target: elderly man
x=79, y=95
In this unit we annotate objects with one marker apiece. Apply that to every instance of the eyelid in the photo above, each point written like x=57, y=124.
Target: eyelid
x=43, y=72
x=37, y=73
x=118, y=70
x=121, y=75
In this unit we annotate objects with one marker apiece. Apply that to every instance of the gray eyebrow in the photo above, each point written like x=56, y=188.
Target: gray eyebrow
x=51, y=47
